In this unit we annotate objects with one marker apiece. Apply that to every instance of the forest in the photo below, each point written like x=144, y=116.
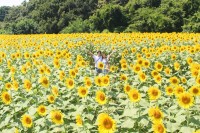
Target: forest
x=97, y=16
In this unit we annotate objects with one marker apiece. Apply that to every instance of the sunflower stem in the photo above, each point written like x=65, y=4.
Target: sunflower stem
x=188, y=116
x=139, y=117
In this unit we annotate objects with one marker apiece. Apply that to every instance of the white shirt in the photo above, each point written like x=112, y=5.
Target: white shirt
x=97, y=59
x=105, y=62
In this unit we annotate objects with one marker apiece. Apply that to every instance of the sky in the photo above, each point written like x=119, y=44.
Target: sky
x=11, y=2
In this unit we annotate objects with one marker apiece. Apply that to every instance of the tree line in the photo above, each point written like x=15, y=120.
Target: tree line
x=72, y=16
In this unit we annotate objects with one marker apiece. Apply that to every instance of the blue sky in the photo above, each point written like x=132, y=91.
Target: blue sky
x=10, y=2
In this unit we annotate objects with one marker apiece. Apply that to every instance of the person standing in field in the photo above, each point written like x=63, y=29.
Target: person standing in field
x=97, y=58
x=105, y=60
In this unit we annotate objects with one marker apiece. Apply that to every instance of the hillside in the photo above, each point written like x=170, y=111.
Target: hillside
x=67, y=16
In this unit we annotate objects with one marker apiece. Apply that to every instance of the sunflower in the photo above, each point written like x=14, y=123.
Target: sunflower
x=123, y=77
x=101, y=97
x=173, y=56
x=137, y=68
x=98, y=81
x=140, y=61
x=44, y=81
x=79, y=120
x=154, y=93
x=69, y=83
x=105, y=123
x=82, y=91
x=158, y=79
x=174, y=80
x=51, y=98
x=88, y=83
x=105, y=81
x=100, y=65
x=154, y=73
x=183, y=80
x=198, y=80
x=112, y=68
x=146, y=63
x=176, y=66
x=134, y=95
x=72, y=73
x=169, y=90
x=27, y=85
x=159, y=128
x=195, y=72
x=15, y=85
x=55, y=91
x=178, y=90
x=57, y=117
x=56, y=63
x=158, y=66
x=195, y=91
x=185, y=100
x=155, y=114
x=27, y=121
x=8, y=86
x=124, y=66
x=142, y=76
x=6, y=98
x=41, y=70
x=133, y=50
x=127, y=88
x=189, y=60
x=41, y=110
x=167, y=71
x=61, y=75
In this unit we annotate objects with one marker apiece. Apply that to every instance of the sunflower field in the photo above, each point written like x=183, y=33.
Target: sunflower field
x=48, y=83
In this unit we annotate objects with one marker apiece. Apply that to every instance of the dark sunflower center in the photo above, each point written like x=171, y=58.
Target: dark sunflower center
x=195, y=90
x=102, y=97
x=42, y=110
x=71, y=82
x=83, y=92
x=45, y=81
x=107, y=124
x=157, y=114
x=28, y=120
x=160, y=129
x=154, y=92
x=185, y=99
x=58, y=117
x=7, y=97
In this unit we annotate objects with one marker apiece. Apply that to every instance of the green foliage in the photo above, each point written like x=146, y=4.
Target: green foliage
x=77, y=26
x=192, y=24
x=150, y=20
x=24, y=26
x=55, y=16
x=109, y=17
x=3, y=11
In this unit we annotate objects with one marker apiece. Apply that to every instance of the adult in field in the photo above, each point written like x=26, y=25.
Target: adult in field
x=97, y=58
x=105, y=60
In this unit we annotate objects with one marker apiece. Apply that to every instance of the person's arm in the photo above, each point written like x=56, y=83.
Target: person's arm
x=90, y=53
x=110, y=54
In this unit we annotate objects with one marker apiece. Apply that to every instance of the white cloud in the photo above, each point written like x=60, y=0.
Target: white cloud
x=11, y=2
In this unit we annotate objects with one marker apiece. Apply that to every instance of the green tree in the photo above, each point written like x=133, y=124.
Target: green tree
x=109, y=17
x=192, y=24
x=25, y=26
x=77, y=26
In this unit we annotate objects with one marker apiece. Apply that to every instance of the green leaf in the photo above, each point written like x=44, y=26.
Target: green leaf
x=187, y=130
x=172, y=127
x=128, y=123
